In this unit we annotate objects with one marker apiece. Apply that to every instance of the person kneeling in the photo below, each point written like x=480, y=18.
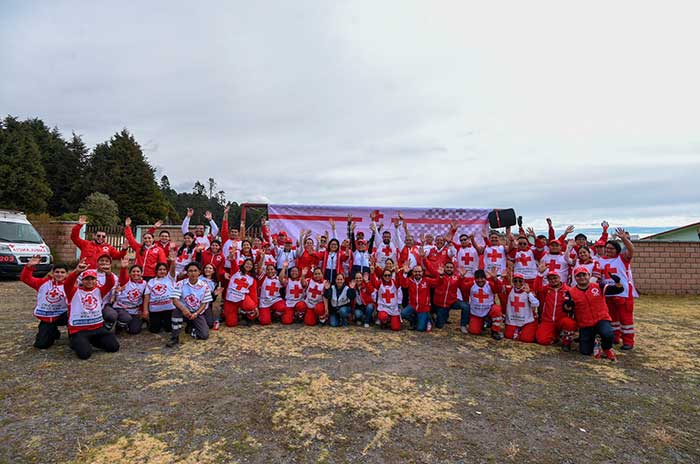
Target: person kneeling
x=85, y=322
x=521, y=311
x=482, y=303
x=337, y=299
x=191, y=298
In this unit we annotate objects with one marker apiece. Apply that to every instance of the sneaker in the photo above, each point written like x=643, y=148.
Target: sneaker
x=173, y=342
x=193, y=334
x=366, y=326
x=464, y=330
x=429, y=328
x=216, y=325
x=626, y=347
x=497, y=335
x=610, y=355
x=566, y=348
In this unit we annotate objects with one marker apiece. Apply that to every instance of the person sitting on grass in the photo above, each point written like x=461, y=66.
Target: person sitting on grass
x=190, y=296
x=51, y=303
x=337, y=299
x=85, y=323
x=587, y=301
x=158, y=305
x=128, y=301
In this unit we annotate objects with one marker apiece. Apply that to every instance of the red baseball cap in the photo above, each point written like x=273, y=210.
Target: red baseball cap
x=362, y=242
x=281, y=232
x=89, y=273
x=551, y=273
x=580, y=270
x=600, y=243
x=554, y=241
x=104, y=255
x=518, y=275
x=288, y=240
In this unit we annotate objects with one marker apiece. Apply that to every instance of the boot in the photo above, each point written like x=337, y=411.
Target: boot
x=610, y=355
x=173, y=342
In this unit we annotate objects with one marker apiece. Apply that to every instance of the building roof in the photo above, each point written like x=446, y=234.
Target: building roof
x=677, y=229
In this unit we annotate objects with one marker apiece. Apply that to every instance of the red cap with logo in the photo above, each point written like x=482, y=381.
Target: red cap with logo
x=580, y=270
x=89, y=273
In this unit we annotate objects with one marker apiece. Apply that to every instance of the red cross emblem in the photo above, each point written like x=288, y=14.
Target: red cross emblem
x=53, y=295
x=272, y=288
x=523, y=258
x=192, y=301
x=240, y=283
x=467, y=258
x=89, y=302
x=481, y=295
x=133, y=295
x=159, y=289
x=607, y=270
x=387, y=250
x=296, y=291
x=315, y=292
x=553, y=266
x=388, y=296
x=517, y=304
x=494, y=255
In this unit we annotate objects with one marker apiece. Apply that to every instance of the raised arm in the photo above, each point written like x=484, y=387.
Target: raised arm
x=351, y=232
x=27, y=276
x=186, y=222
x=130, y=236
x=214, y=228
x=75, y=232
x=629, y=248
x=224, y=226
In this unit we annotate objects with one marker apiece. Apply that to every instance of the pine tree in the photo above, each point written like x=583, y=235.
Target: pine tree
x=24, y=185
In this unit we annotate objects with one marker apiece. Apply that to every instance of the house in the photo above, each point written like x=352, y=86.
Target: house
x=687, y=233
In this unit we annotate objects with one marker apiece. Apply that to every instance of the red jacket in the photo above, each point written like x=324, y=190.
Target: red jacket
x=147, y=258
x=589, y=305
x=551, y=300
x=165, y=246
x=365, y=291
x=446, y=291
x=91, y=250
x=70, y=287
x=36, y=283
x=216, y=260
x=418, y=292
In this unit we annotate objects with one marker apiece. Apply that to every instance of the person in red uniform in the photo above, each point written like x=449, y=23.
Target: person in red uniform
x=241, y=293
x=554, y=322
x=163, y=237
x=93, y=249
x=521, y=310
x=482, y=304
x=213, y=256
x=587, y=301
x=307, y=256
x=51, y=303
x=446, y=298
x=418, y=310
x=147, y=253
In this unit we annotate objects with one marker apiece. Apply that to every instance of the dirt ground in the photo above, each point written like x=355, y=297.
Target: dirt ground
x=297, y=394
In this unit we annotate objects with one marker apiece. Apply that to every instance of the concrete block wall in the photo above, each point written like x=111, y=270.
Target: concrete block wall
x=667, y=268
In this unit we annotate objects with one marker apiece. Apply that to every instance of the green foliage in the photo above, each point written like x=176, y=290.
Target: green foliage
x=23, y=183
x=120, y=169
x=101, y=210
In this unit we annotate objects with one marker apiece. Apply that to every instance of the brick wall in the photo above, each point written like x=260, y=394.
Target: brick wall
x=57, y=237
x=655, y=261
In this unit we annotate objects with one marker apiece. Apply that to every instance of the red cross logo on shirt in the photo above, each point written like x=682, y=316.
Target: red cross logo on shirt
x=388, y=296
x=517, y=304
x=133, y=295
x=159, y=289
x=607, y=270
x=295, y=291
x=553, y=266
x=481, y=295
x=523, y=258
x=467, y=258
x=315, y=292
x=240, y=283
x=387, y=250
x=89, y=302
x=53, y=295
x=272, y=288
x=192, y=301
x=494, y=255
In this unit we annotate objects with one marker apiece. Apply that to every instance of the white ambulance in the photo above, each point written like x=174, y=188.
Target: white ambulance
x=19, y=241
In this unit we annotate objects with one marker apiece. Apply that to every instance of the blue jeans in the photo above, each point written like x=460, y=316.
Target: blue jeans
x=364, y=313
x=444, y=313
x=340, y=318
x=587, y=337
x=420, y=320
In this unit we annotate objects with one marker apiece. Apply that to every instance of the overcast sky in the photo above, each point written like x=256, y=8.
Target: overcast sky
x=581, y=111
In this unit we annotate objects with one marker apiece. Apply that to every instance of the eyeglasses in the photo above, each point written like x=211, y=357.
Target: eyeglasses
x=517, y=280
x=100, y=235
x=387, y=275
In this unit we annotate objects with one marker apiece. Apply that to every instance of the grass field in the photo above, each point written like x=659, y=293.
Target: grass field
x=296, y=394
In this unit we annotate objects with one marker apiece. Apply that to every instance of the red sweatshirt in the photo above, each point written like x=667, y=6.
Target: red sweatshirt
x=418, y=292
x=147, y=258
x=446, y=291
x=90, y=250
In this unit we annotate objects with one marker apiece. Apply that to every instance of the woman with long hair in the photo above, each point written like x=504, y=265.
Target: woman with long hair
x=148, y=254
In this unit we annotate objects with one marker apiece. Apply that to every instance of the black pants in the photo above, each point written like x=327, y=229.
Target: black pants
x=587, y=337
x=160, y=320
x=48, y=332
x=83, y=341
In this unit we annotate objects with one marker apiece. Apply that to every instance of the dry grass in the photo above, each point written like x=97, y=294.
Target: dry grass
x=283, y=394
x=309, y=404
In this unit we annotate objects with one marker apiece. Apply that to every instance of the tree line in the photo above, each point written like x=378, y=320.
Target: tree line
x=43, y=173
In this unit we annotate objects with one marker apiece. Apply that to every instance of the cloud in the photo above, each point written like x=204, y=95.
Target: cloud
x=396, y=103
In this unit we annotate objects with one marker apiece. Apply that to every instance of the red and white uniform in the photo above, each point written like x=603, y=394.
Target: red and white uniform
x=130, y=297
x=192, y=296
x=592, y=266
x=418, y=292
x=482, y=303
x=554, y=322
x=294, y=293
x=184, y=257
x=559, y=264
x=240, y=286
x=85, y=306
x=447, y=291
x=439, y=257
x=385, y=252
x=525, y=263
x=160, y=291
x=270, y=291
x=101, y=280
x=50, y=298
x=205, y=241
x=621, y=306
x=495, y=259
x=314, y=293
x=90, y=250
x=146, y=257
x=467, y=260
x=520, y=308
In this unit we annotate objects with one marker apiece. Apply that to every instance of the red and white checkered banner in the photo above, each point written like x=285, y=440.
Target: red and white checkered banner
x=294, y=218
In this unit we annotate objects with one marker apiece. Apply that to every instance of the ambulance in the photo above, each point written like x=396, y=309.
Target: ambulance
x=19, y=241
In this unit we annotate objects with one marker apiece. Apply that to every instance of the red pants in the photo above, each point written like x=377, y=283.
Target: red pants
x=526, y=333
x=548, y=331
x=288, y=313
x=312, y=315
x=476, y=323
x=621, y=311
x=231, y=310
x=278, y=308
x=393, y=321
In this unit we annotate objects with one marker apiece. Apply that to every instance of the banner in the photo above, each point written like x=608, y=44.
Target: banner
x=436, y=221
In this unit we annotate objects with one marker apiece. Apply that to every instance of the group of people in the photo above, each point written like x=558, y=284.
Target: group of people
x=524, y=287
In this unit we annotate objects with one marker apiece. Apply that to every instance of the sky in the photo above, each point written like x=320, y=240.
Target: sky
x=580, y=111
